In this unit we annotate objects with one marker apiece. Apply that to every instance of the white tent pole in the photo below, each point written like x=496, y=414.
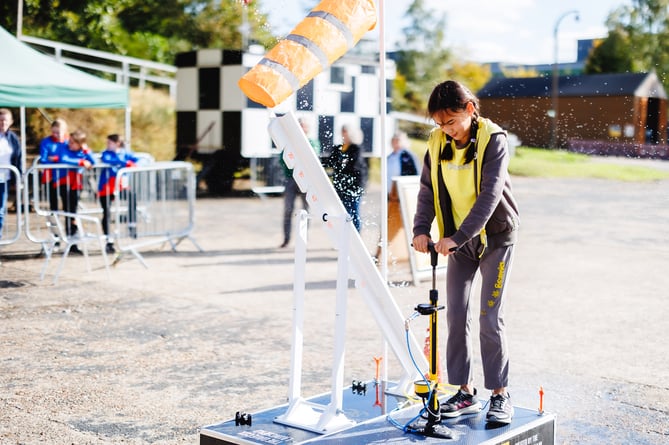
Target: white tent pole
x=384, y=165
x=128, y=111
x=19, y=20
x=22, y=113
x=384, y=161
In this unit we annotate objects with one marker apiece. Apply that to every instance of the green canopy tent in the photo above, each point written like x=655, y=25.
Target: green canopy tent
x=29, y=78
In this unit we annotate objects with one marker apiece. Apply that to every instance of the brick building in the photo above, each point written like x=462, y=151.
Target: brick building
x=628, y=109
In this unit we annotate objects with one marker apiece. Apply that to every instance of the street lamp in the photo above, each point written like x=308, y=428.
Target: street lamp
x=554, y=132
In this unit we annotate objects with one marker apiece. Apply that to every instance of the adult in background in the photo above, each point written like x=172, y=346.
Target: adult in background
x=291, y=189
x=400, y=162
x=10, y=154
x=349, y=171
x=465, y=186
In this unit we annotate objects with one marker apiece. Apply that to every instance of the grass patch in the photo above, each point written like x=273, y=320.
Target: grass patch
x=536, y=162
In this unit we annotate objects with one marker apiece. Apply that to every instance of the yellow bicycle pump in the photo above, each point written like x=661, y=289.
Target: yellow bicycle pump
x=427, y=389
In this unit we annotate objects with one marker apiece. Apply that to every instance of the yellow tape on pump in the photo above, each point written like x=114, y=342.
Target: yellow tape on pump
x=331, y=28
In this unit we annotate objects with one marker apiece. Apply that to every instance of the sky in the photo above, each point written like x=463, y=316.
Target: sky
x=513, y=31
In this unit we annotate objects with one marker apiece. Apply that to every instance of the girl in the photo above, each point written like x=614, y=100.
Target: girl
x=77, y=154
x=49, y=150
x=116, y=157
x=465, y=185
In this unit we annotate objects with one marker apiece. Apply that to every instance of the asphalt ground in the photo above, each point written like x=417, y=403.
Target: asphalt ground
x=155, y=353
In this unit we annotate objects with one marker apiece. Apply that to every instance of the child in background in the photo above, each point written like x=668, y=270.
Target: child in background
x=49, y=149
x=116, y=157
x=76, y=153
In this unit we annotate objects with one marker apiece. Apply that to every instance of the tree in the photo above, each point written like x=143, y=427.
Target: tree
x=149, y=29
x=473, y=75
x=611, y=55
x=638, y=40
x=422, y=58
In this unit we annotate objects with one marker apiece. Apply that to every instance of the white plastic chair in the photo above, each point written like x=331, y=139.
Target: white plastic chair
x=89, y=230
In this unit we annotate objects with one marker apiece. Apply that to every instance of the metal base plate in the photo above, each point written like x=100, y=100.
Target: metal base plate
x=370, y=411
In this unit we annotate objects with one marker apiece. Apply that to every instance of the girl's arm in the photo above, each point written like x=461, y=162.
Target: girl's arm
x=495, y=163
x=425, y=212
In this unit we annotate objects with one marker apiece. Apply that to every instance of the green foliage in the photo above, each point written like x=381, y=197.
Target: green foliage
x=422, y=59
x=611, y=55
x=547, y=163
x=473, y=75
x=638, y=40
x=149, y=29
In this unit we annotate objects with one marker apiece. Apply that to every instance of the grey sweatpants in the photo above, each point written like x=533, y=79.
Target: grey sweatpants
x=495, y=267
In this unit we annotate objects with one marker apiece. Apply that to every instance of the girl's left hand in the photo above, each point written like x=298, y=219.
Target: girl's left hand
x=445, y=246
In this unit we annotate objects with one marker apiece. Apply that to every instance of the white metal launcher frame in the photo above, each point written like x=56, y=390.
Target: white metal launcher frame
x=353, y=259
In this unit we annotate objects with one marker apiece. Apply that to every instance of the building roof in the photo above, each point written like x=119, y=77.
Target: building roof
x=617, y=84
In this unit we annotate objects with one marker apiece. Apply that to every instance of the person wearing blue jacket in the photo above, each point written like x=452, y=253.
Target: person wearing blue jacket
x=10, y=154
x=49, y=151
x=116, y=157
x=75, y=154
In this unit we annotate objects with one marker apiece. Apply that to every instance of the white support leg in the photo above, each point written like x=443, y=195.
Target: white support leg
x=333, y=418
x=301, y=413
x=295, y=384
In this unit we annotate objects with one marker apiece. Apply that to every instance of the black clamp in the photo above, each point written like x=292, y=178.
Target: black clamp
x=358, y=387
x=242, y=418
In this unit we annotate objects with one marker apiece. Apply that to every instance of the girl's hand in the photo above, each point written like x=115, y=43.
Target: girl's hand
x=445, y=246
x=420, y=243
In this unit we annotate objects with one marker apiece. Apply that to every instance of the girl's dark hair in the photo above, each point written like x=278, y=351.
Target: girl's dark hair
x=116, y=138
x=453, y=96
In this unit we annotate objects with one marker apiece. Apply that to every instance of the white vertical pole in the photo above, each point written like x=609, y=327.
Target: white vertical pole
x=384, y=167
x=19, y=20
x=128, y=124
x=245, y=26
x=384, y=161
x=22, y=112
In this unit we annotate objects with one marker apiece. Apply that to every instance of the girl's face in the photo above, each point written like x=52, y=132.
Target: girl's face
x=111, y=145
x=75, y=146
x=58, y=132
x=455, y=124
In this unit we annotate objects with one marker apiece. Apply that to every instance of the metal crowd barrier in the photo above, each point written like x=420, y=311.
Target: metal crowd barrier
x=153, y=203
x=11, y=226
x=41, y=199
